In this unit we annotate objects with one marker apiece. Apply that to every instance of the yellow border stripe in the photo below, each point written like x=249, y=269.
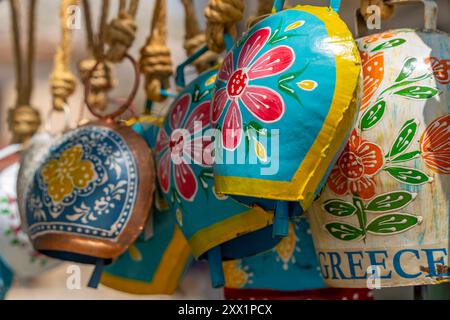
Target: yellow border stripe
x=229, y=229
x=167, y=275
x=336, y=125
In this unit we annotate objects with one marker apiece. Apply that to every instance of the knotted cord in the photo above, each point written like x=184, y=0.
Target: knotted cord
x=195, y=38
x=63, y=81
x=155, y=61
x=101, y=80
x=221, y=17
x=23, y=119
x=121, y=31
x=386, y=10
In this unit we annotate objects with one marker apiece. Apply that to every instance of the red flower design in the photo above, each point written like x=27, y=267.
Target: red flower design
x=441, y=69
x=435, y=145
x=353, y=173
x=375, y=37
x=373, y=73
x=262, y=102
x=183, y=147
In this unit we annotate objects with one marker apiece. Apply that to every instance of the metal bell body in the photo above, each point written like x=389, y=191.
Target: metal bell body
x=184, y=154
x=154, y=265
x=15, y=247
x=91, y=196
x=285, y=99
x=383, y=215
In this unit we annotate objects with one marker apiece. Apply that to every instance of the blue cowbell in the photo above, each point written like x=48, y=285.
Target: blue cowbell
x=216, y=227
x=155, y=265
x=291, y=270
x=91, y=196
x=285, y=100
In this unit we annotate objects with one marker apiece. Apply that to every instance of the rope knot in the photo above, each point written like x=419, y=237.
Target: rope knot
x=120, y=36
x=100, y=81
x=386, y=10
x=207, y=60
x=63, y=84
x=221, y=16
x=156, y=65
x=23, y=122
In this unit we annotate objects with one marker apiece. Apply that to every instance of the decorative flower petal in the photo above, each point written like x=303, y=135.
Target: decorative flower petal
x=307, y=85
x=199, y=118
x=371, y=156
x=82, y=174
x=363, y=188
x=264, y=103
x=227, y=68
x=59, y=188
x=232, y=127
x=435, y=145
x=354, y=142
x=162, y=141
x=164, y=172
x=252, y=46
x=49, y=171
x=373, y=73
x=337, y=182
x=218, y=105
x=441, y=69
x=272, y=62
x=72, y=156
x=185, y=180
x=179, y=111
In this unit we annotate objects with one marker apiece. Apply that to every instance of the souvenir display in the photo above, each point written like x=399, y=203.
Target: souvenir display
x=184, y=153
x=288, y=271
x=155, y=265
x=15, y=247
x=285, y=100
x=281, y=160
x=383, y=215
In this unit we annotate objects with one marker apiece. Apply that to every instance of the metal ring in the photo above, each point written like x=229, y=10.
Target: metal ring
x=125, y=105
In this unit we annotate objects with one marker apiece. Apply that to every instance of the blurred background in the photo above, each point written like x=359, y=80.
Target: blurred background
x=196, y=285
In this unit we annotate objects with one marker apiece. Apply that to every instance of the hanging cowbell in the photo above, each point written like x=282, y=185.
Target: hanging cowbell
x=91, y=196
x=290, y=271
x=285, y=99
x=384, y=212
x=216, y=227
x=15, y=247
x=155, y=265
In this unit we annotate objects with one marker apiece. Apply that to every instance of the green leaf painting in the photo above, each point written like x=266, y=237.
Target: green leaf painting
x=389, y=44
x=392, y=223
x=408, y=175
x=343, y=231
x=339, y=208
x=418, y=92
x=404, y=138
x=372, y=115
x=390, y=201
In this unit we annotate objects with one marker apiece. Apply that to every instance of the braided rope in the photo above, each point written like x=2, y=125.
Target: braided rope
x=63, y=82
x=221, y=17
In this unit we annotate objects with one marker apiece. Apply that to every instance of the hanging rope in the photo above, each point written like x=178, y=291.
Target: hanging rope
x=121, y=31
x=221, y=17
x=23, y=119
x=264, y=10
x=155, y=62
x=63, y=82
x=386, y=10
x=101, y=80
x=195, y=38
